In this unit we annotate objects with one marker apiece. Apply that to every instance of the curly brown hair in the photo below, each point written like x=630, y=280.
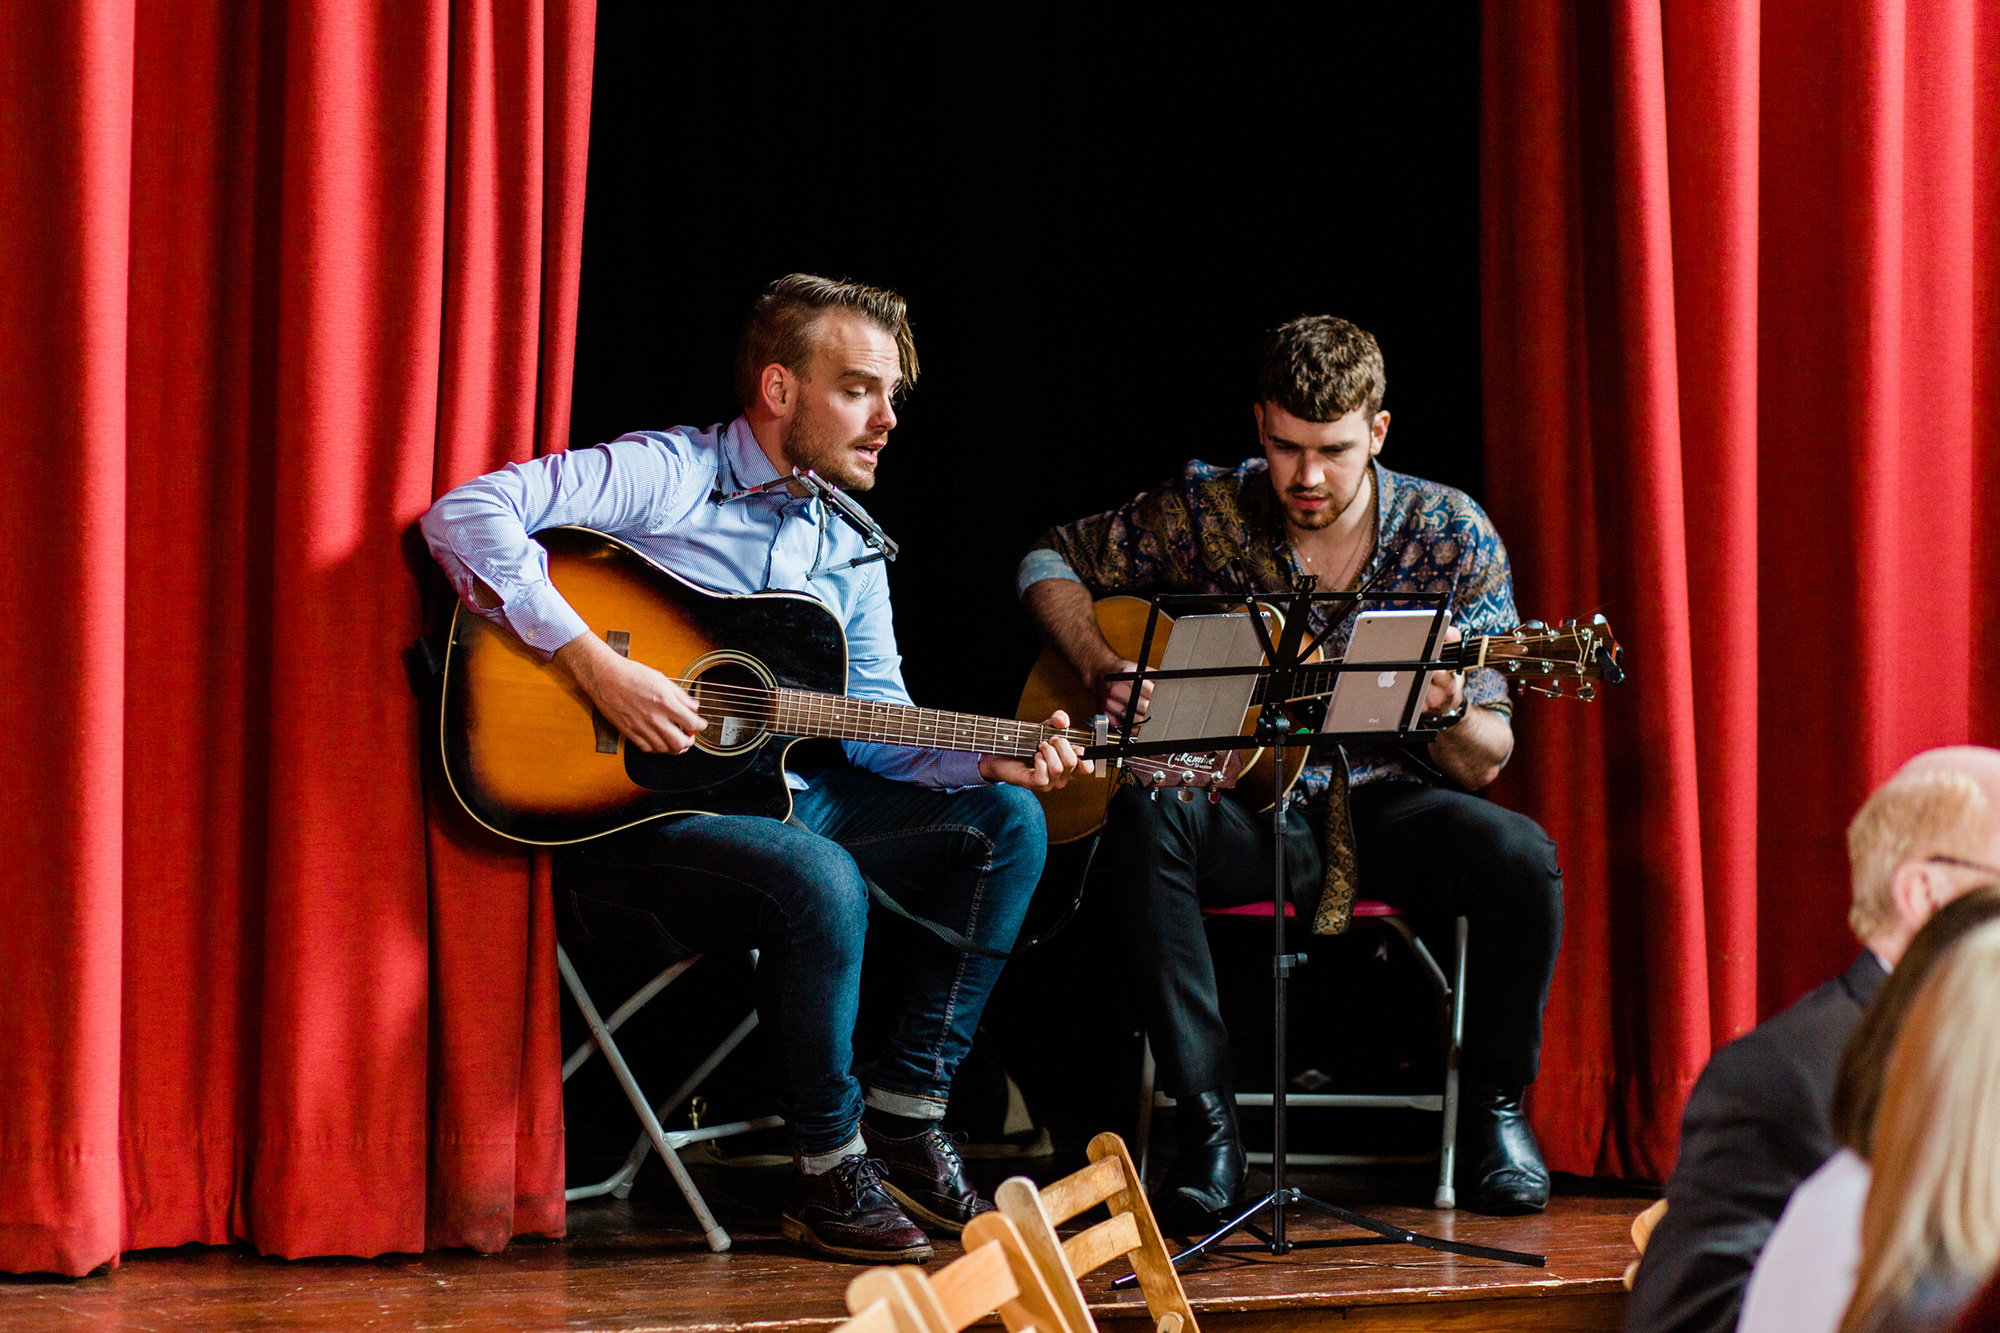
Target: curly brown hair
x=1320, y=368
x=779, y=328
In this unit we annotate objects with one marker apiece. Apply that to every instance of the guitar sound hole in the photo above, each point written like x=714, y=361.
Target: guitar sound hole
x=736, y=700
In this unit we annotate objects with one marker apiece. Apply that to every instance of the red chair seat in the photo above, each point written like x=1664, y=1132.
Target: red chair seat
x=1362, y=907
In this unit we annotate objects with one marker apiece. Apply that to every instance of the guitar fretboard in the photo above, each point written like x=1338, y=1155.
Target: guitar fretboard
x=843, y=717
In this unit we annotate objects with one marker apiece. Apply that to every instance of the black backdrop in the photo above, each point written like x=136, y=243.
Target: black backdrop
x=1092, y=236
x=1093, y=227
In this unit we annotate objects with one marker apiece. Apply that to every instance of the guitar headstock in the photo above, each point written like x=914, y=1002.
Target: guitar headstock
x=1563, y=662
x=1185, y=773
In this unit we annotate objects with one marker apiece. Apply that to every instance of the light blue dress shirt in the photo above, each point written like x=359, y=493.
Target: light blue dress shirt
x=652, y=489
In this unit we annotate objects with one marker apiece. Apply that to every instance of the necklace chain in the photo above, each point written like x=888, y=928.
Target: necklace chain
x=1355, y=554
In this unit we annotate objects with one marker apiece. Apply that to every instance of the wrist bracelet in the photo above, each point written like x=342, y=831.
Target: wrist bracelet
x=1446, y=721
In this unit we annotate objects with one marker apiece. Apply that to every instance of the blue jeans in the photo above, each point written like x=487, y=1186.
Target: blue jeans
x=711, y=883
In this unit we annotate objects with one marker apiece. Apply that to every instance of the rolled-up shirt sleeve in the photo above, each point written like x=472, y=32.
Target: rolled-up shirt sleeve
x=480, y=531
x=1040, y=564
x=1124, y=550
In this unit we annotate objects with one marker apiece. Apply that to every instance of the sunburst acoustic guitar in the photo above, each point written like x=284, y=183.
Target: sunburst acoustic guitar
x=530, y=758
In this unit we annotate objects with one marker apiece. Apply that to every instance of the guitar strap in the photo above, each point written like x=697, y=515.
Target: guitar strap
x=959, y=942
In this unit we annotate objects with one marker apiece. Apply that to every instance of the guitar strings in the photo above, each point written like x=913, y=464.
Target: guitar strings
x=855, y=718
x=773, y=708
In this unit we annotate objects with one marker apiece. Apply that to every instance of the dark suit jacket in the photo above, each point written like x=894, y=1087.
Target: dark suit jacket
x=1755, y=1126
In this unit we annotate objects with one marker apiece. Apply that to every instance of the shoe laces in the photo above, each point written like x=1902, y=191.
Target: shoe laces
x=947, y=1144
x=857, y=1174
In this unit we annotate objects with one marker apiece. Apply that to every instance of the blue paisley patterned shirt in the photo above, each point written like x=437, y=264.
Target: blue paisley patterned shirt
x=1203, y=530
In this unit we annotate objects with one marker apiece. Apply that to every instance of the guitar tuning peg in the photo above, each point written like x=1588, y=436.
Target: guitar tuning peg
x=1569, y=624
x=1154, y=796
x=1214, y=796
x=1186, y=795
x=1586, y=691
x=1535, y=625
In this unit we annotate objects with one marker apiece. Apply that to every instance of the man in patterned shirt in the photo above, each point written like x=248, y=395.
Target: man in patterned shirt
x=1394, y=823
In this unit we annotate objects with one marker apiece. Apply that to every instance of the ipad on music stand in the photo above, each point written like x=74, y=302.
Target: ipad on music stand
x=1380, y=700
x=1205, y=706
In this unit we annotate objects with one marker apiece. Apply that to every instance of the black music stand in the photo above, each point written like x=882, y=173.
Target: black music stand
x=1275, y=730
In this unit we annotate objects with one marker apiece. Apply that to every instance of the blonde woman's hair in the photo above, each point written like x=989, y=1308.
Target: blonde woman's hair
x=1933, y=1210
x=1932, y=811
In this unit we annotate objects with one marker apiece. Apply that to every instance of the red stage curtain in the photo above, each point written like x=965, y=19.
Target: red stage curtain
x=273, y=274
x=1741, y=376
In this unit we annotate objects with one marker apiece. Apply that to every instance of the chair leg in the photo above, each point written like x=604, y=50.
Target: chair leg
x=616, y=1019
x=718, y=1239
x=1148, y=1074
x=1447, y=1194
x=637, y=1157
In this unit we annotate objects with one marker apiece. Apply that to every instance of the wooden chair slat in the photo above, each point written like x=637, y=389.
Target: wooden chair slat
x=1090, y=1250
x=1021, y=1203
x=1154, y=1266
x=975, y=1286
x=1092, y=1185
x=1035, y=1307
x=906, y=1291
x=875, y=1318
x=1110, y=1179
x=888, y=1313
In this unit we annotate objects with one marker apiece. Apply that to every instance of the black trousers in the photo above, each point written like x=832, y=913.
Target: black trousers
x=1436, y=854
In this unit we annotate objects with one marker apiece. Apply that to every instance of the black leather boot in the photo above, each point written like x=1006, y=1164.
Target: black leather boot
x=1206, y=1182
x=1500, y=1168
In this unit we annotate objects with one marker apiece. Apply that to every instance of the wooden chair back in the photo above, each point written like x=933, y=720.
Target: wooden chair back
x=1642, y=1231
x=1129, y=1232
x=995, y=1274
x=891, y=1313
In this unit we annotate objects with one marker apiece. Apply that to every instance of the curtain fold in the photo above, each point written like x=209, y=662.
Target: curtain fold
x=278, y=273
x=1739, y=367
x=65, y=191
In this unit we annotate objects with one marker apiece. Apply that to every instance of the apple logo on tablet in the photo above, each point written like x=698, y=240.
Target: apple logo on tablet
x=1386, y=681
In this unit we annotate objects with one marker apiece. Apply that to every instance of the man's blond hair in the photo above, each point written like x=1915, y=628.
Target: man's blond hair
x=1930, y=811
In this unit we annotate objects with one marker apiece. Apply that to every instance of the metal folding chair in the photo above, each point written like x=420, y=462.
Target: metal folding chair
x=655, y=1137
x=1450, y=992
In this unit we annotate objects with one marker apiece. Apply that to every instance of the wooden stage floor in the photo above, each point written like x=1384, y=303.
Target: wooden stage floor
x=638, y=1265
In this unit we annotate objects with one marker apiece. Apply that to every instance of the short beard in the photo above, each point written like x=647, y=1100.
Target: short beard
x=806, y=446
x=1313, y=522
x=1330, y=515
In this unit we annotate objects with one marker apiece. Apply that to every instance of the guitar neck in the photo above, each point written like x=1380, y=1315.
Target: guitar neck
x=879, y=722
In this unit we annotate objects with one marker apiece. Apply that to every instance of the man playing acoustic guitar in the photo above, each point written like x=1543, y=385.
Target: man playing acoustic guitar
x=1395, y=824
x=956, y=836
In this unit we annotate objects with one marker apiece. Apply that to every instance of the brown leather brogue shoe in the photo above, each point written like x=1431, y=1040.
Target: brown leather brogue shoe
x=844, y=1212
x=925, y=1175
